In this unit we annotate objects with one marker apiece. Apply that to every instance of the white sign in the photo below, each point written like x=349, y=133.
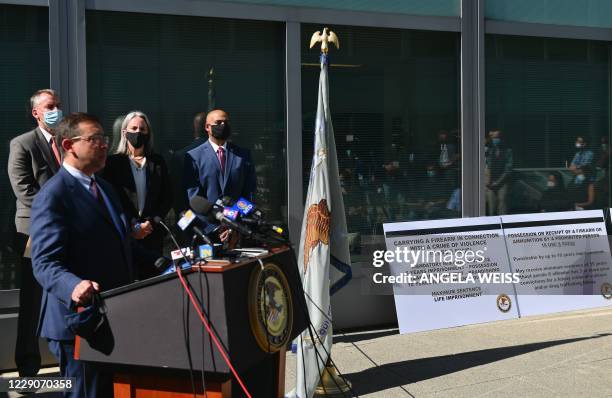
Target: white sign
x=470, y=246
x=563, y=260
x=534, y=264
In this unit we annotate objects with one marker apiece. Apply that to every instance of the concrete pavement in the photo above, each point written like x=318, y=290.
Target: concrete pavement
x=559, y=355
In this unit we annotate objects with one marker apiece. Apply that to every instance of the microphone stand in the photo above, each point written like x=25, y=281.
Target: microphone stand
x=159, y=221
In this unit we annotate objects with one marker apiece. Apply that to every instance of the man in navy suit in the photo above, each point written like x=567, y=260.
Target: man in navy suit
x=80, y=245
x=218, y=168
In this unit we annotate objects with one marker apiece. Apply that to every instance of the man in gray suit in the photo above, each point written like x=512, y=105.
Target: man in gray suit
x=33, y=159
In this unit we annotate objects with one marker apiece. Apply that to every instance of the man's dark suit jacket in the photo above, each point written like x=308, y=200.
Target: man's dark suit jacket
x=31, y=164
x=74, y=239
x=159, y=192
x=202, y=176
x=177, y=166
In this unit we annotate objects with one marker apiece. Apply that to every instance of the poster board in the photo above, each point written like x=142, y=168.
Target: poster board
x=520, y=249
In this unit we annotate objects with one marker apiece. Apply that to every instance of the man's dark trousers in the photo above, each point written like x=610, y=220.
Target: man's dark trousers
x=27, y=351
x=90, y=380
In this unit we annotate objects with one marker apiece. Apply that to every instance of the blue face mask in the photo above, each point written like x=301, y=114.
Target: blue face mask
x=580, y=179
x=52, y=118
x=495, y=141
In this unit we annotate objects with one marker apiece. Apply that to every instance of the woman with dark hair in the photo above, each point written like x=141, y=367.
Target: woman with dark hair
x=554, y=198
x=141, y=179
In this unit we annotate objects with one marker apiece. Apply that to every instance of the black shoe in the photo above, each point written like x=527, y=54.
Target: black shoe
x=28, y=371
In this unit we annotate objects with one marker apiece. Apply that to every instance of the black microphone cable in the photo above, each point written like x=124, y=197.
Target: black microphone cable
x=184, y=303
x=199, y=310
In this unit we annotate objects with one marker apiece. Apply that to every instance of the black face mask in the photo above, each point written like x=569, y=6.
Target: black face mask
x=221, y=131
x=137, y=139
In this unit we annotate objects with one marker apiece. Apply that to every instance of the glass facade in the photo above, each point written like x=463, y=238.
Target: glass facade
x=394, y=99
x=446, y=8
x=172, y=67
x=546, y=97
x=24, y=45
x=591, y=13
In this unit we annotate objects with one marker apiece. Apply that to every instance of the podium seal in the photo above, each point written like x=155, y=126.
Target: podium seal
x=504, y=303
x=270, y=307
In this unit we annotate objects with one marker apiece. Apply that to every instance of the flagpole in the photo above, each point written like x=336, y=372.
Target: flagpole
x=330, y=383
x=324, y=239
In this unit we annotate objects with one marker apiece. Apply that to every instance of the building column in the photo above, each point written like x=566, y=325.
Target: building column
x=67, y=58
x=295, y=195
x=472, y=108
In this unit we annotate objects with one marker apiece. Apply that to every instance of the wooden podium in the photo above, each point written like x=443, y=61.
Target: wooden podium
x=160, y=348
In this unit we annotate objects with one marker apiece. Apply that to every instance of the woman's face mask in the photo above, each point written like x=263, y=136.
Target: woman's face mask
x=137, y=138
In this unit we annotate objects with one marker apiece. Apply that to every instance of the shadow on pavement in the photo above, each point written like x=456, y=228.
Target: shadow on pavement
x=397, y=374
x=355, y=337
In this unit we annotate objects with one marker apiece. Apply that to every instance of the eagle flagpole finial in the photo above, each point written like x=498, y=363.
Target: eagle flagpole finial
x=327, y=37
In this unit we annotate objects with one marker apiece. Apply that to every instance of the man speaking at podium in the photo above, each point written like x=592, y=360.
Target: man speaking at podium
x=217, y=168
x=80, y=245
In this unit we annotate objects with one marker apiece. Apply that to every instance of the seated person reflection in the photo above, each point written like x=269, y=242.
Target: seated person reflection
x=583, y=156
x=554, y=198
x=436, y=192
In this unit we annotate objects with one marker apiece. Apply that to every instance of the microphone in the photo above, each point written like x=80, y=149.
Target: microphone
x=187, y=218
x=262, y=223
x=227, y=201
x=166, y=266
x=202, y=206
x=246, y=207
x=158, y=220
x=162, y=264
x=241, y=209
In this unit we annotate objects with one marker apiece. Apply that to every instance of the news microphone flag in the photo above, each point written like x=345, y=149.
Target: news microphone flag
x=244, y=206
x=231, y=213
x=324, y=237
x=186, y=219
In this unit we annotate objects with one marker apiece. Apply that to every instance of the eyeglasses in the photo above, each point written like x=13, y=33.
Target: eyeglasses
x=97, y=139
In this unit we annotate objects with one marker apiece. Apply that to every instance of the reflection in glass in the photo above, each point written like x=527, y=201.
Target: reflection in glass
x=549, y=100
x=24, y=43
x=394, y=98
x=175, y=67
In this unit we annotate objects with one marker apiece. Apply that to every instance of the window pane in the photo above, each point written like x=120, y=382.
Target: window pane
x=160, y=64
x=443, y=8
x=593, y=13
x=393, y=95
x=24, y=45
x=542, y=94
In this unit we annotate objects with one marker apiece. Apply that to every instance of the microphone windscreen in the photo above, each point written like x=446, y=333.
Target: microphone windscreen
x=162, y=263
x=200, y=205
